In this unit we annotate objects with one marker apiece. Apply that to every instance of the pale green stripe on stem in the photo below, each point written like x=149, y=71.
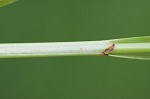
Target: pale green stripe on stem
x=134, y=48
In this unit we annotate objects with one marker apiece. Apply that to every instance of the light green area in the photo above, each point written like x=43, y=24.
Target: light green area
x=143, y=39
x=140, y=52
x=80, y=77
x=6, y=2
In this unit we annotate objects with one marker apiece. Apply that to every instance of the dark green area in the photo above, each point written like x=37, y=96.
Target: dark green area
x=74, y=77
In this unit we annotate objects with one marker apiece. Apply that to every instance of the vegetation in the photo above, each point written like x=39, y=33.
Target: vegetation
x=6, y=2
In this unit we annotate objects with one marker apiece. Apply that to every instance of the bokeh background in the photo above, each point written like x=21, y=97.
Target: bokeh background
x=80, y=77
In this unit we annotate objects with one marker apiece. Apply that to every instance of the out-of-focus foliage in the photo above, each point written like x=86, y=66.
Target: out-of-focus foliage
x=6, y=2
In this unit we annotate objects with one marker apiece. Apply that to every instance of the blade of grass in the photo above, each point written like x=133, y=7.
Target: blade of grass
x=54, y=49
x=134, y=48
x=6, y=2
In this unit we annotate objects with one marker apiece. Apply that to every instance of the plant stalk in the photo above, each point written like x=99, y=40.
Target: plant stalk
x=133, y=48
x=54, y=49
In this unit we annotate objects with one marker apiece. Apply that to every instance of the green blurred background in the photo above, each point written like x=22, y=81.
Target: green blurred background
x=91, y=77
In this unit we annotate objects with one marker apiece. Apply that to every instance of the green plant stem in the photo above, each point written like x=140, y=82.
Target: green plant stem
x=131, y=48
x=54, y=49
x=134, y=48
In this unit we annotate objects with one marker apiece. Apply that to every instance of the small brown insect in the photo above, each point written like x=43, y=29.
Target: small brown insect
x=108, y=50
